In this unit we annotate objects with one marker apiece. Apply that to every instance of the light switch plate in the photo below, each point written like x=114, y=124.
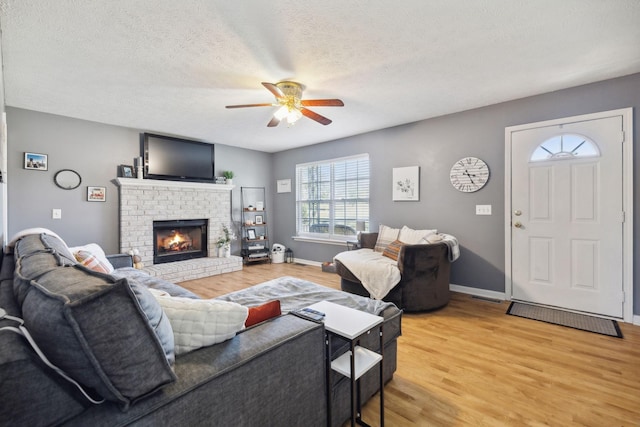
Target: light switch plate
x=56, y=213
x=483, y=209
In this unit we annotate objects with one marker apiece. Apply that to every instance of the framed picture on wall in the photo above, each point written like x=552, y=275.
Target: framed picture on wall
x=406, y=184
x=283, y=185
x=96, y=194
x=35, y=161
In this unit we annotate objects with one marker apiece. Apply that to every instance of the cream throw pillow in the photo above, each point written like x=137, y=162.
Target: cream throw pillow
x=199, y=323
x=386, y=235
x=413, y=237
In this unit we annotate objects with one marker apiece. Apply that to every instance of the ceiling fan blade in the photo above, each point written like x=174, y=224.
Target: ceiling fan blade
x=322, y=103
x=249, y=105
x=315, y=116
x=275, y=90
x=274, y=122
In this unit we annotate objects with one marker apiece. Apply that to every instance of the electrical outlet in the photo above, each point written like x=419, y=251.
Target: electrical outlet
x=483, y=209
x=56, y=214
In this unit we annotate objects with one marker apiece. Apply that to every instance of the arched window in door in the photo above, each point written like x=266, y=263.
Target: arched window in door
x=564, y=147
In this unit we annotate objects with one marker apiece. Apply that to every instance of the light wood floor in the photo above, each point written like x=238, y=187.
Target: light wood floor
x=470, y=364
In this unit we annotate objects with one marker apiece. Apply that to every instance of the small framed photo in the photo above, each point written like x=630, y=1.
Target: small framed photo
x=251, y=234
x=35, y=161
x=126, y=171
x=96, y=194
x=259, y=219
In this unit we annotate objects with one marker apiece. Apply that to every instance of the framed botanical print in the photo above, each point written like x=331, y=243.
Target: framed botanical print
x=406, y=184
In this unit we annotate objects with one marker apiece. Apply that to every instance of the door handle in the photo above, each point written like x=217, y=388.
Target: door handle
x=517, y=224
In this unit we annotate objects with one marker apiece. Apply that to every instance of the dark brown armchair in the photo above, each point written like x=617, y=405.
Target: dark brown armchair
x=425, y=271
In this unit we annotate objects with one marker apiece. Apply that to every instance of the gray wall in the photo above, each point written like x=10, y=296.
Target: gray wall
x=435, y=145
x=94, y=150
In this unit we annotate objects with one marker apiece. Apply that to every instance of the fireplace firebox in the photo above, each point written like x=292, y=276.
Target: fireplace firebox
x=179, y=240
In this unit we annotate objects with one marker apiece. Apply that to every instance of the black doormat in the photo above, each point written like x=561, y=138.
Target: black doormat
x=583, y=322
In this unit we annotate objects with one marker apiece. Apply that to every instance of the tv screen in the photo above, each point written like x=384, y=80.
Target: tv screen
x=177, y=159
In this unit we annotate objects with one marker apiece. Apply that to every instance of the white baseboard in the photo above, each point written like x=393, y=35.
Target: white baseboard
x=478, y=292
x=636, y=319
x=307, y=262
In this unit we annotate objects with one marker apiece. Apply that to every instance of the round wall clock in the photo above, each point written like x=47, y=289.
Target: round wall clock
x=469, y=174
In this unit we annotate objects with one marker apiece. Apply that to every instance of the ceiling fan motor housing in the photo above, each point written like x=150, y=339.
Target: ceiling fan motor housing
x=291, y=89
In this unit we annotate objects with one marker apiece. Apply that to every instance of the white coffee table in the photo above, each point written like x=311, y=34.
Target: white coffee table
x=352, y=324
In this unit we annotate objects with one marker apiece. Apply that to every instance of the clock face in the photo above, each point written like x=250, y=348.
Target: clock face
x=469, y=174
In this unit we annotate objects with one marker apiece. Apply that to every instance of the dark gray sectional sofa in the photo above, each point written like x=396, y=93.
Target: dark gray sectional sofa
x=106, y=333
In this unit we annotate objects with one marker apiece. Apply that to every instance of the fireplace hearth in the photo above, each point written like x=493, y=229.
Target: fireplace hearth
x=179, y=240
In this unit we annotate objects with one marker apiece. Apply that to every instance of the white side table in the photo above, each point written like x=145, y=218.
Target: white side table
x=352, y=324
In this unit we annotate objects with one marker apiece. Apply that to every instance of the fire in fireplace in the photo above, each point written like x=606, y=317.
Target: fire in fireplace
x=179, y=240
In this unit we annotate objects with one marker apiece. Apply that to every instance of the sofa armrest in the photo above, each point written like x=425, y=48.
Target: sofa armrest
x=120, y=260
x=418, y=259
x=367, y=240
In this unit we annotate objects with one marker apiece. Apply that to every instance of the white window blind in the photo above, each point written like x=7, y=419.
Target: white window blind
x=332, y=198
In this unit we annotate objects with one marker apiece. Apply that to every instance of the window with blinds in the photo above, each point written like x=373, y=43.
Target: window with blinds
x=332, y=198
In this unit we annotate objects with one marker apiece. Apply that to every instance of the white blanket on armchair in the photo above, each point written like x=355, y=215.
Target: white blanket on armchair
x=377, y=273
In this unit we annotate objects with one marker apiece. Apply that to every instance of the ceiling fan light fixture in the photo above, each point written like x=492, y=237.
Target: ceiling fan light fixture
x=281, y=113
x=293, y=116
x=288, y=112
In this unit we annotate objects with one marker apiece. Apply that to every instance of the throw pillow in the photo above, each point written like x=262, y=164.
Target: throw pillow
x=97, y=252
x=432, y=238
x=412, y=237
x=199, y=323
x=393, y=249
x=92, y=262
x=263, y=312
x=386, y=235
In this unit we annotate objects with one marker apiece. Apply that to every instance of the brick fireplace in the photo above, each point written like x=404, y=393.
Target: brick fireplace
x=143, y=201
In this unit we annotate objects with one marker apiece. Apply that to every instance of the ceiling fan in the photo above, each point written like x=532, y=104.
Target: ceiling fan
x=292, y=107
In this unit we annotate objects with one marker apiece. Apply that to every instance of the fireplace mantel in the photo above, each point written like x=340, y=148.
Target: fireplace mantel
x=134, y=182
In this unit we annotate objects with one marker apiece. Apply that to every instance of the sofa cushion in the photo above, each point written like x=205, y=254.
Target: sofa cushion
x=386, y=235
x=199, y=323
x=412, y=237
x=393, y=250
x=108, y=334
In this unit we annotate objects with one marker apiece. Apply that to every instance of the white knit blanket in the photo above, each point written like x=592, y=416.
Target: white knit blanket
x=377, y=273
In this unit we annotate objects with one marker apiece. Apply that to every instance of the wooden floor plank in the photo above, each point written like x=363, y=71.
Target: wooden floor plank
x=470, y=364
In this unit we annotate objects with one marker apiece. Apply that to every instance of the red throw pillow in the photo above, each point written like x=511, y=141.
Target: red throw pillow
x=263, y=312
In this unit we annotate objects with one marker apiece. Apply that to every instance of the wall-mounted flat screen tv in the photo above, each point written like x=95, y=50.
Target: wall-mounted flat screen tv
x=177, y=159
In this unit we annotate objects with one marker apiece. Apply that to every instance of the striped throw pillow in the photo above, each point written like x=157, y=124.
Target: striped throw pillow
x=386, y=235
x=92, y=262
x=393, y=250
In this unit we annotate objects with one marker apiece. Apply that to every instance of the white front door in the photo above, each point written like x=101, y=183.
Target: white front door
x=567, y=215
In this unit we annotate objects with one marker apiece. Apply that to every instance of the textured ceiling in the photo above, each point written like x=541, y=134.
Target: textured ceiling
x=172, y=66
